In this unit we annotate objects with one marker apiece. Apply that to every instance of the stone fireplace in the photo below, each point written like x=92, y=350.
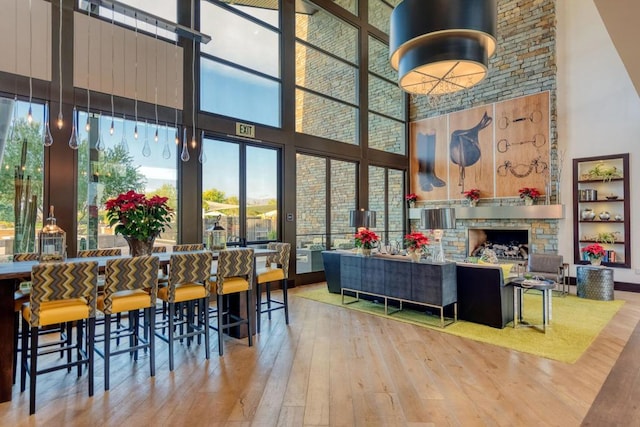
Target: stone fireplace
x=507, y=243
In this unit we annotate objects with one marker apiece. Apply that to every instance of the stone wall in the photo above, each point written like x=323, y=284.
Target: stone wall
x=524, y=64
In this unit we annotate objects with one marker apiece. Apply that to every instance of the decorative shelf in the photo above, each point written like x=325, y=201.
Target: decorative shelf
x=591, y=181
x=502, y=212
x=601, y=221
x=601, y=201
x=618, y=242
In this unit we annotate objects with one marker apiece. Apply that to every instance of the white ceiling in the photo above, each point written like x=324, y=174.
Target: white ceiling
x=622, y=20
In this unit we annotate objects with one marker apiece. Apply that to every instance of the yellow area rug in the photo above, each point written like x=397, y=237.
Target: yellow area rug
x=575, y=324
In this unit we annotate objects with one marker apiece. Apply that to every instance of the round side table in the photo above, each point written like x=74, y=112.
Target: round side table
x=594, y=282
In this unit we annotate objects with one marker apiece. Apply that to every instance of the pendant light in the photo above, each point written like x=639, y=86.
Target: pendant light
x=87, y=125
x=48, y=138
x=60, y=122
x=30, y=113
x=202, y=158
x=100, y=142
x=442, y=46
x=146, y=150
x=123, y=142
x=175, y=60
x=135, y=90
x=73, y=139
x=156, y=135
x=184, y=156
x=193, y=95
x=166, y=152
x=112, y=127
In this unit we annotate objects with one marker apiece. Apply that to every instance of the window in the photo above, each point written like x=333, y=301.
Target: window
x=240, y=71
x=243, y=201
x=312, y=193
x=326, y=77
x=21, y=177
x=118, y=163
x=386, y=197
x=380, y=13
x=386, y=102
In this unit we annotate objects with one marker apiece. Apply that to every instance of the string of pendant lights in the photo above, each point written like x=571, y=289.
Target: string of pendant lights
x=157, y=22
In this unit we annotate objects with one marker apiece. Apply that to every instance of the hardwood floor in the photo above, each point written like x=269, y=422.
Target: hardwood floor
x=339, y=367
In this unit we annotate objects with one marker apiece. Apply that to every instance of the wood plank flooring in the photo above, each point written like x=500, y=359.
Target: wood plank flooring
x=337, y=367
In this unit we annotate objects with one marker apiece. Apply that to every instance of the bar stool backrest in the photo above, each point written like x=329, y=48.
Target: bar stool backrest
x=61, y=281
x=91, y=253
x=27, y=256
x=189, y=268
x=281, y=258
x=189, y=247
x=234, y=263
x=129, y=274
x=159, y=249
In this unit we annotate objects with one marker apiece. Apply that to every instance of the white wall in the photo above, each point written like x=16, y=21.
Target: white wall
x=598, y=113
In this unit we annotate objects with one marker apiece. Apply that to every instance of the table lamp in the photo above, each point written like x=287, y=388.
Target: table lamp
x=438, y=219
x=362, y=218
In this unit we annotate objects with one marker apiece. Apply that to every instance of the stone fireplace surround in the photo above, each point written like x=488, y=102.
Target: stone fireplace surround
x=541, y=221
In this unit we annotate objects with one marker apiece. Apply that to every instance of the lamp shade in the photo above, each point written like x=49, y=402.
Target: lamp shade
x=442, y=46
x=438, y=219
x=362, y=218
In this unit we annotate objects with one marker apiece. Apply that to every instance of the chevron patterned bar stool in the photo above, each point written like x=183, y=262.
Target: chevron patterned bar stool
x=131, y=285
x=61, y=293
x=188, y=282
x=272, y=273
x=189, y=247
x=91, y=253
x=20, y=296
x=234, y=274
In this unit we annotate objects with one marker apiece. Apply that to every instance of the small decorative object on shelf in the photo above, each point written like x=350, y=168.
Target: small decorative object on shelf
x=415, y=243
x=594, y=252
x=618, y=217
x=604, y=172
x=472, y=196
x=138, y=219
x=52, y=241
x=587, y=214
x=411, y=199
x=366, y=240
x=604, y=216
x=529, y=195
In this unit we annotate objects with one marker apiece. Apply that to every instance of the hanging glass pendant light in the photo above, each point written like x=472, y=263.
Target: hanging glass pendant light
x=123, y=142
x=87, y=125
x=112, y=128
x=99, y=142
x=135, y=90
x=184, y=156
x=30, y=113
x=166, y=152
x=60, y=122
x=13, y=119
x=146, y=150
x=48, y=138
x=73, y=140
x=202, y=158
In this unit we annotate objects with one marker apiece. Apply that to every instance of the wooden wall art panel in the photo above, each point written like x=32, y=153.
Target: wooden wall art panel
x=522, y=144
x=497, y=148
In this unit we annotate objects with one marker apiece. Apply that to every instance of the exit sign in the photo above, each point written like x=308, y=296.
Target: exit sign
x=243, y=129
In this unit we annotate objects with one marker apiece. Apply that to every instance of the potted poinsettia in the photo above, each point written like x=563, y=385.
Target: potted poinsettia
x=595, y=252
x=366, y=240
x=411, y=199
x=529, y=195
x=472, y=195
x=415, y=242
x=139, y=219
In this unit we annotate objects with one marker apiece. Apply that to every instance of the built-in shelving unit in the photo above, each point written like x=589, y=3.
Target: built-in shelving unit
x=601, y=184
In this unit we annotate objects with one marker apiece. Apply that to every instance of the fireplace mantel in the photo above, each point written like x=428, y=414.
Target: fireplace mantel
x=503, y=212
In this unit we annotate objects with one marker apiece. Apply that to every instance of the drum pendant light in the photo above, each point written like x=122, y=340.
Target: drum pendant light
x=442, y=46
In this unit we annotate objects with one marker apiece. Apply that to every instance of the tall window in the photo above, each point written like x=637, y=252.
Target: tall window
x=386, y=102
x=241, y=191
x=386, y=190
x=321, y=182
x=21, y=177
x=112, y=164
x=240, y=71
x=326, y=76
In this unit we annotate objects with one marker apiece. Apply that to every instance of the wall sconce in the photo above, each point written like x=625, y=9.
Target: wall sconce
x=438, y=219
x=362, y=218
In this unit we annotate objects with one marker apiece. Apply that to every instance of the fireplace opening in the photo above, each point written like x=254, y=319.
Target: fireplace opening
x=507, y=243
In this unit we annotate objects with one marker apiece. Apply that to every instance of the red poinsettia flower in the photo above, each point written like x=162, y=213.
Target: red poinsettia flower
x=594, y=250
x=366, y=239
x=415, y=240
x=529, y=192
x=136, y=216
x=472, y=194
